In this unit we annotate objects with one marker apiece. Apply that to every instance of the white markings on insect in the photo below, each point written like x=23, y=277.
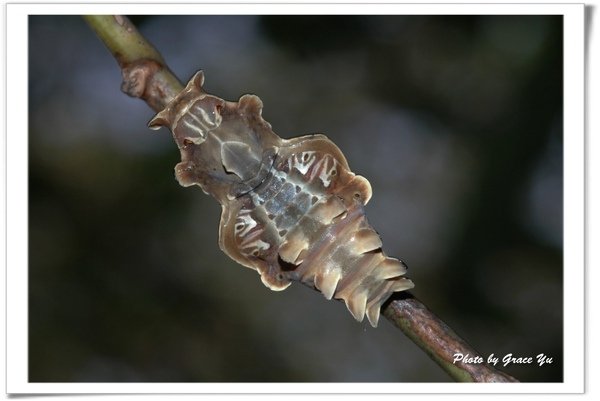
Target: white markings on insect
x=244, y=223
x=196, y=139
x=260, y=245
x=201, y=121
x=302, y=161
x=326, y=166
x=251, y=243
x=205, y=119
x=325, y=171
x=255, y=247
x=185, y=110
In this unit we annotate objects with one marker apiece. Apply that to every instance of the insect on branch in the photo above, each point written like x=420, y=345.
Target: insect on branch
x=147, y=76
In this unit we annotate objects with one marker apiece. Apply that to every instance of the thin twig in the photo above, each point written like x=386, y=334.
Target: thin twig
x=146, y=75
x=438, y=340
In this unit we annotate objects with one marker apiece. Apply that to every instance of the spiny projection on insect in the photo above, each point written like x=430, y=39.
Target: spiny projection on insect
x=291, y=209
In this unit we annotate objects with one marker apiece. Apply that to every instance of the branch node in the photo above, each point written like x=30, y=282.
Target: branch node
x=138, y=78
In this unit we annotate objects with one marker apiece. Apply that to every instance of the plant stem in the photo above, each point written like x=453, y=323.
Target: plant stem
x=438, y=340
x=146, y=75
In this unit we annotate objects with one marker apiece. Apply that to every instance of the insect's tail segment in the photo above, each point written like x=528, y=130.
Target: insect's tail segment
x=353, y=267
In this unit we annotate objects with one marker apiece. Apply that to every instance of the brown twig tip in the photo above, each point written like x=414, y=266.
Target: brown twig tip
x=438, y=340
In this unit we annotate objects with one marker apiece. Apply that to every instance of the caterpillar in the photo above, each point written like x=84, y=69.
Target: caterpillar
x=291, y=208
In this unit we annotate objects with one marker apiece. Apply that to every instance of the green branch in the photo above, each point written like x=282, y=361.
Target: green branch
x=146, y=75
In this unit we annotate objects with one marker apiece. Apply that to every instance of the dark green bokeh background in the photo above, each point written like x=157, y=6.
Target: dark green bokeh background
x=455, y=120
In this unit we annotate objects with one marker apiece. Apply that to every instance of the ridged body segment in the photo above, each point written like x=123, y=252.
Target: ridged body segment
x=292, y=209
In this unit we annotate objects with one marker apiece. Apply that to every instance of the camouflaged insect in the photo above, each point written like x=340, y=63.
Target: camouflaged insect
x=291, y=209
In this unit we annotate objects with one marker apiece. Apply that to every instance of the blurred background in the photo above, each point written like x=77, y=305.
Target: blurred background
x=455, y=120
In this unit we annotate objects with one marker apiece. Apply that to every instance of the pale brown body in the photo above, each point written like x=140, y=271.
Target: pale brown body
x=292, y=209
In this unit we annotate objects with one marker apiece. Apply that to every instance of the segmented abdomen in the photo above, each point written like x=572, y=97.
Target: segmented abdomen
x=306, y=222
